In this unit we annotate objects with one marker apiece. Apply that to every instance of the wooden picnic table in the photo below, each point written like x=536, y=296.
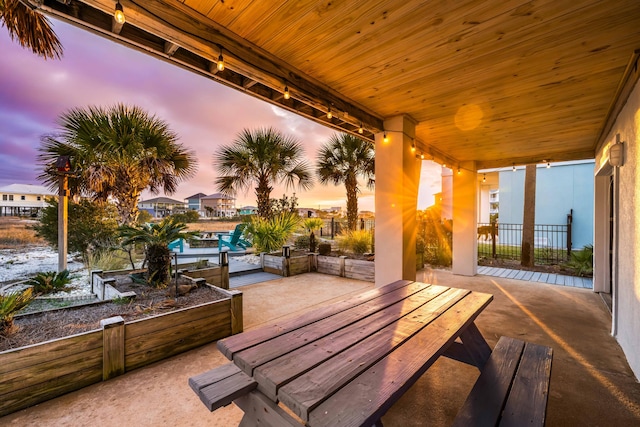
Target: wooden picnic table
x=345, y=364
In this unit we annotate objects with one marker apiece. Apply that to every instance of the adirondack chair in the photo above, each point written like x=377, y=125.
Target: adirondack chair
x=234, y=241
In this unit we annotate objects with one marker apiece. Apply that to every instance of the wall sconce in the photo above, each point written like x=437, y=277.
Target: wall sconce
x=616, y=153
x=118, y=14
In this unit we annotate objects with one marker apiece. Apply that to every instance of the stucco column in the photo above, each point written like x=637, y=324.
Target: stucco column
x=465, y=205
x=397, y=181
x=601, y=226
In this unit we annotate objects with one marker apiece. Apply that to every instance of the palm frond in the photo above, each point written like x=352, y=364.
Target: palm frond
x=30, y=29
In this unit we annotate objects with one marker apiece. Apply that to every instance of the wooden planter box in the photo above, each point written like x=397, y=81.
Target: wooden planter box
x=36, y=373
x=336, y=266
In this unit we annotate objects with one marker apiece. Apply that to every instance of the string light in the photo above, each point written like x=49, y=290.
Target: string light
x=548, y=165
x=220, y=63
x=514, y=167
x=484, y=177
x=413, y=147
x=287, y=95
x=329, y=115
x=459, y=171
x=384, y=137
x=118, y=15
x=421, y=156
x=360, y=129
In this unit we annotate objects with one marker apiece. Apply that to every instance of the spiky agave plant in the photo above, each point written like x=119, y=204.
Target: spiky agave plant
x=10, y=304
x=268, y=235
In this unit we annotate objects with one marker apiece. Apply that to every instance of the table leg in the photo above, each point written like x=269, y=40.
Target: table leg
x=259, y=410
x=475, y=345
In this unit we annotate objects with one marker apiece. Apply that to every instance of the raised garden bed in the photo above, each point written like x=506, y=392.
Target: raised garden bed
x=298, y=263
x=39, y=372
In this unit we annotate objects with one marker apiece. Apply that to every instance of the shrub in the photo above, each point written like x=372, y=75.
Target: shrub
x=268, y=235
x=91, y=225
x=108, y=259
x=302, y=242
x=312, y=224
x=582, y=261
x=144, y=216
x=49, y=282
x=324, y=248
x=10, y=304
x=355, y=241
x=187, y=217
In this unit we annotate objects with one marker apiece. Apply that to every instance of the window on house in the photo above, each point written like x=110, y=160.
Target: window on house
x=4, y=197
x=11, y=197
x=38, y=198
x=23, y=197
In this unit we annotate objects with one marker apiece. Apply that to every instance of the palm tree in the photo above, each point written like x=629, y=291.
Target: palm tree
x=30, y=28
x=261, y=157
x=342, y=160
x=117, y=153
x=156, y=238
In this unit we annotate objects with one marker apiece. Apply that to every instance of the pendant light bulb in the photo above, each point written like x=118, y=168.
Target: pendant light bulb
x=548, y=165
x=360, y=129
x=459, y=172
x=384, y=137
x=118, y=15
x=421, y=156
x=514, y=167
x=484, y=177
x=287, y=95
x=220, y=64
x=329, y=114
x=413, y=148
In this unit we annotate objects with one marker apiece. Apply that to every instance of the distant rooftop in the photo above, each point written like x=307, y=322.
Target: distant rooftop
x=196, y=196
x=217, y=196
x=164, y=200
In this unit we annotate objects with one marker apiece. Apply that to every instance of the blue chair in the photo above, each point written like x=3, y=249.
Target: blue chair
x=234, y=241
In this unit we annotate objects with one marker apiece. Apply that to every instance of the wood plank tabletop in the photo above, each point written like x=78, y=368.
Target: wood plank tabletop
x=358, y=353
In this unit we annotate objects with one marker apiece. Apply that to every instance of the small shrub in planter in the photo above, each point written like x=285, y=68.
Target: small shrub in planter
x=356, y=241
x=324, y=248
x=10, y=304
x=302, y=242
x=49, y=282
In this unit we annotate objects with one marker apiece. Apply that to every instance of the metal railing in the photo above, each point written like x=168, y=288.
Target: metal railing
x=552, y=243
x=333, y=227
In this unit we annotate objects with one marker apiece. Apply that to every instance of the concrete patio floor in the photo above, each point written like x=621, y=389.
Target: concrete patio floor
x=591, y=383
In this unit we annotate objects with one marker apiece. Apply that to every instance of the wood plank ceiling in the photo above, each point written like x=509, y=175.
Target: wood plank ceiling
x=497, y=82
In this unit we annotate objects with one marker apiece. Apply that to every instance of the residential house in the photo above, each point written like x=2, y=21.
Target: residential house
x=23, y=199
x=248, y=210
x=194, y=204
x=218, y=205
x=160, y=207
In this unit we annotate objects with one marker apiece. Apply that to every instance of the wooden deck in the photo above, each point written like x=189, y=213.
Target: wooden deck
x=536, y=276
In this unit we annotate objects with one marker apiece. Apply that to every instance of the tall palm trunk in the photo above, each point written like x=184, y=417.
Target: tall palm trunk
x=351, y=185
x=529, y=217
x=263, y=191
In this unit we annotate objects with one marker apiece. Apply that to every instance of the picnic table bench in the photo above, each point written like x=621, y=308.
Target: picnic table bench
x=347, y=363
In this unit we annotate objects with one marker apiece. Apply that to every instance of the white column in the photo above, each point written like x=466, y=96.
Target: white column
x=397, y=181
x=601, y=282
x=465, y=228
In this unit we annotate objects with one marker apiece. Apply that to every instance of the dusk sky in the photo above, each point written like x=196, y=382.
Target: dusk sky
x=204, y=114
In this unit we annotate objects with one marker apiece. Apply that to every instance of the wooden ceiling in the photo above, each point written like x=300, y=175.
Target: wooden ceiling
x=497, y=82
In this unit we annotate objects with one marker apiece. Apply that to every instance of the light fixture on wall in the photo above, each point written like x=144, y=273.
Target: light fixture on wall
x=118, y=14
x=287, y=95
x=616, y=153
x=220, y=63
